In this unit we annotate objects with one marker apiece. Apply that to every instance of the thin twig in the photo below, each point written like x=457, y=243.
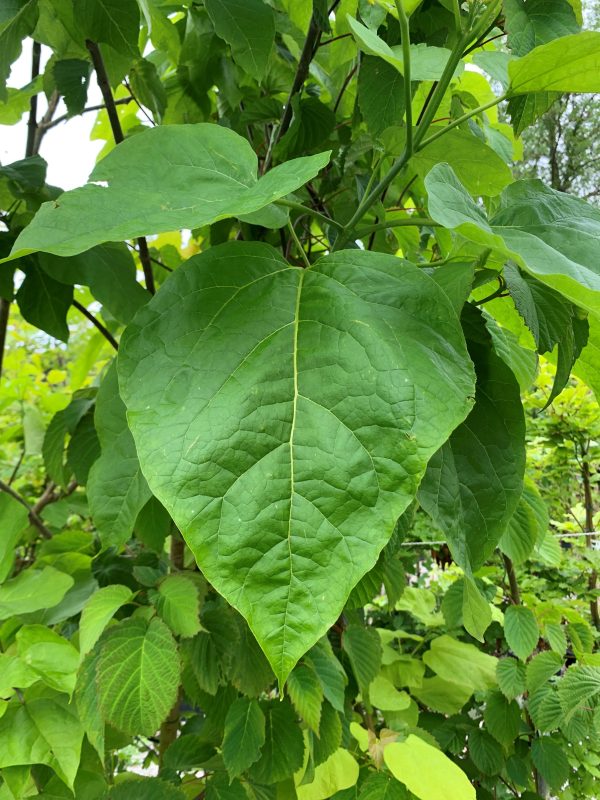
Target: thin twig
x=298, y=244
x=46, y=122
x=32, y=121
x=122, y=101
x=117, y=131
x=31, y=512
x=96, y=323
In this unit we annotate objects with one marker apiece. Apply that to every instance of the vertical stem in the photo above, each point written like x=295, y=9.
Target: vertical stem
x=405, y=34
x=117, y=131
x=32, y=121
x=589, y=538
x=515, y=594
x=4, y=314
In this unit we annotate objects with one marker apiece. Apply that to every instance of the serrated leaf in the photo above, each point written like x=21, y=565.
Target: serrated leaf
x=502, y=718
x=98, y=611
x=579, y=686
x=178, y=604
x=426, y=771
x=556, y=637
x=86, y=700
x=306, y=693
x=473, y=483
x=551, y=761
x=526, y=527
x=363, y=648
x=476, y=611
x=275, y=383
x=138, y=675
x=283, y=751
x=244, y=736
x=542, y=667
x=330, y=672
x=521, y=630
x=150, y=191
x=116, y=489
x=329, y=736
x=485, y=752
x=188, y=753
x=510, y=674
x=545, y=708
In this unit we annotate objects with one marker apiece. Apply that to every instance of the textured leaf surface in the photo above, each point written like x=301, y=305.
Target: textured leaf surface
x=164, y=179
x=179, y=605
x=454, y=660
x=306, y=693
x=283, y=752
x=138, y=675
x=527, y=526
x=114, y=22
x=249, y=27
x=568, y=64
x=277, y=440
x=98, y=611
x=145, y=789
x=502, y=718
x=427, y=772
x=551, y=235
x=339, y=772
x=551, y=761
x=521, y=630
x=473, y=484
x=244, y=736
x=117, y=491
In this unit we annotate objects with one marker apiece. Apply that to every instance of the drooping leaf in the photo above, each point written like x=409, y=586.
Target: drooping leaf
x=542, y=667
x=329, y=737
x=329, y=671
x=550, y=759
x=473, y=484
x=19, y=25
x=207, y=372
x=502, y=718
x=381, y=786
x=363, y=647
x=112, y=22
x=109, y=272
x=72, y=77
x=283, y=751
x=248, y=26
x=530, y=23
x=50, y=655
x=306, y=694
x=244, y=736
x=164, y=179
x=446, y=697
x=521, y=630
x=476, y=611
x=32, y=590
x=98, y=611
x=45, y=302
x=485, y=752
x=117, y=491
x=188, y=753
x=380, y=94
x=178, y=603
x=527, y=526
x=551, y=235
x=138, y=675
x=511, y=677
x=545, y=708
x=426, y=771
x=87, y=702
x=384, y=695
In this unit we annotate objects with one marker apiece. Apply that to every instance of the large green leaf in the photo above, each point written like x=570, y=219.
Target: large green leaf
x=97, y=613
x=473, y=484
x=249, y=27
x=568, y=64
x=551, y=235
x=178, y=603
x=244, y=736
x=33, y=590
x=453, y=660
x=550, y=759
x=164, y=179
x=138, y=675
x=11, y=36
x=238, y=417
x=338, y=772
x=50, y=655
x=527, y=526
x=42, y=729
x=117, y=491
x=426, y=771
x=45, y=302
x=530, y=23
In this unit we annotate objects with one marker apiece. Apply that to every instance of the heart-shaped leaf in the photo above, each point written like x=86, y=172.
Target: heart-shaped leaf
x=284, y=417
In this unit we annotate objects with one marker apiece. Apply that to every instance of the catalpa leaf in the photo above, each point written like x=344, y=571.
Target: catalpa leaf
x=284, y=418
x=551, y=235
x=164, y=179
